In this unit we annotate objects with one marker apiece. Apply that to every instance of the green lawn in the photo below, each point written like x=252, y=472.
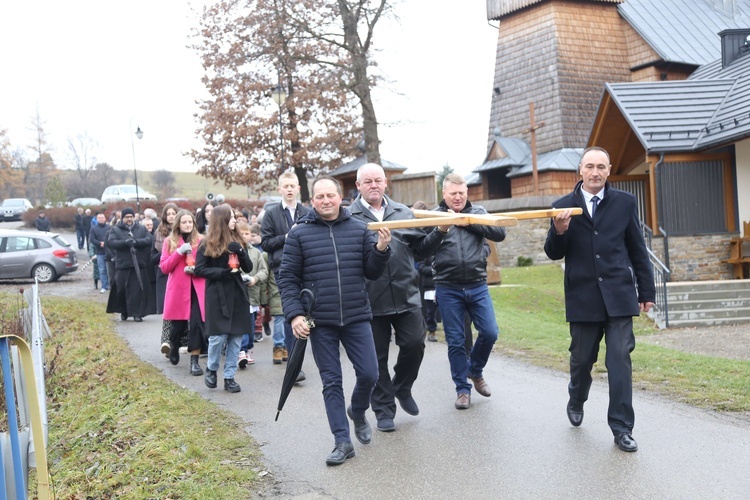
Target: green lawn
x=531, y=315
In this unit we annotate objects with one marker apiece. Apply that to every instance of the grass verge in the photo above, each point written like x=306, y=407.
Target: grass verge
x=119, y=429
x=531, y=315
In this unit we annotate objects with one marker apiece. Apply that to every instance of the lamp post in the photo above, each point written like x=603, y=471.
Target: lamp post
x=139, y=135
x=279, y=96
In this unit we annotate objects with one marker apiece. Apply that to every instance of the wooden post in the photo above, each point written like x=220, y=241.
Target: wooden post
x=532, y=130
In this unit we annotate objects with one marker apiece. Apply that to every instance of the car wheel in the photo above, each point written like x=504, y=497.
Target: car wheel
x=44, y=273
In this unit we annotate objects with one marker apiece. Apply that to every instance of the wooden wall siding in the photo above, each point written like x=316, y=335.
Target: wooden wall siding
x=476, y=193
x=411, y=189
x=545, y=55
x=554, y=183
x=591, y=53
x=639, y=51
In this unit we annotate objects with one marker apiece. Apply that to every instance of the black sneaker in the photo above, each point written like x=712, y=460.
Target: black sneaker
x=231, y=386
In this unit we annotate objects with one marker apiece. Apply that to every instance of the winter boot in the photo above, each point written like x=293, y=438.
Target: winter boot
x=195, y=367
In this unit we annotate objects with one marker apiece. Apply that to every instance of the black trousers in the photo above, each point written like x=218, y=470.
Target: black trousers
x=409, y=335
x=584, y=351
x=193, y=327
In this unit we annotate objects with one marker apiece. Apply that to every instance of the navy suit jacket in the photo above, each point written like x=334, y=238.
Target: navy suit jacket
x=607, y=269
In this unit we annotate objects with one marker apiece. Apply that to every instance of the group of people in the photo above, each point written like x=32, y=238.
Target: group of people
x=367, y=290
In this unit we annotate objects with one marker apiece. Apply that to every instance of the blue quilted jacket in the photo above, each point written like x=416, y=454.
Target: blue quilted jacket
x=332, y=259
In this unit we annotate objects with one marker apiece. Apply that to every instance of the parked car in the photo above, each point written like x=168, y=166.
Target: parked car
x=29, y=254
x=85, y=202
x=14, y=208
x=125, y=192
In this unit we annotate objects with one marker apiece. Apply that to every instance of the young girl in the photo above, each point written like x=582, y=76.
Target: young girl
x=254, y=281
x=184, y=297
x=162, y=232
x=227, y=306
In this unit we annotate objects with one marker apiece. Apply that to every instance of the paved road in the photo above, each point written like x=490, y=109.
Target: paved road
x=516, y=444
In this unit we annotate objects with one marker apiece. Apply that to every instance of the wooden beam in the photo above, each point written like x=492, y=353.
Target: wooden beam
x=526, y=214
x=451, y=219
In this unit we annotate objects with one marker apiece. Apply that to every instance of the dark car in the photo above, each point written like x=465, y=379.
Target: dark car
x=29, y=254
x=14, y=208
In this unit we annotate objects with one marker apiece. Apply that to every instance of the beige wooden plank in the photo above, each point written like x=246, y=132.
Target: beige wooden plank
x=440, y=221
x=540, y=214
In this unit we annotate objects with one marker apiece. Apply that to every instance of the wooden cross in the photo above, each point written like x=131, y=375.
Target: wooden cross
x=532, y=130
x=427, y=218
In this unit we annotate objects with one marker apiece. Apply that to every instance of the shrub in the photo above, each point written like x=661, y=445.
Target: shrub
x=524, y=261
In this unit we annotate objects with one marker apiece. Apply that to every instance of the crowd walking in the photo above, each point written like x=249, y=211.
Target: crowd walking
x=219, y=276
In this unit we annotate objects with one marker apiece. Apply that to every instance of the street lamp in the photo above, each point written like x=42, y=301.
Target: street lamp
x=279, y=96
x=139, y=135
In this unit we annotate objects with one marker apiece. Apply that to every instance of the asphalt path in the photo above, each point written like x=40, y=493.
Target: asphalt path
x=516, y=444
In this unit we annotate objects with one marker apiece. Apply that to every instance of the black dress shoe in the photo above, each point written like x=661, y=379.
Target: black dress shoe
x=361, y=428
x=342, y=451
x=174, y=354
x=386, y=425
x=137, y=319
x=300, y=377
x=626, y=442
x=575, y=414
x=210, y=379
x=123, y=316
x=231, y=386
x=408, y=405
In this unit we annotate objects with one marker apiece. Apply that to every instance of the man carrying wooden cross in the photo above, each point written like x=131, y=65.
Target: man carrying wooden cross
x=461, y=287
x=394, y=296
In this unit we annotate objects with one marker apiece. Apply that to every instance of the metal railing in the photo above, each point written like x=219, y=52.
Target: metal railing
x=661, y=270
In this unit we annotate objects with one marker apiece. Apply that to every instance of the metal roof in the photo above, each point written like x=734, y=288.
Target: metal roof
x=565, y=159
x=354, y=165
x=509, y=152
x=685, y=31
x=688, y=115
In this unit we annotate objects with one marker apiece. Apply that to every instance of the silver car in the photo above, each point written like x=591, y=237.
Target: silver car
x=14, y=208
x=29, y=254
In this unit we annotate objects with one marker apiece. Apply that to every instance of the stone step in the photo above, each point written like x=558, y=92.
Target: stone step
x=692, y=305
x=743, y=312
x=706, y=322
x=679, y=286
x=697, y=294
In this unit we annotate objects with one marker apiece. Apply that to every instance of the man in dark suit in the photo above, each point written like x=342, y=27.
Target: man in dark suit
x=277, y=221
x=608, y=280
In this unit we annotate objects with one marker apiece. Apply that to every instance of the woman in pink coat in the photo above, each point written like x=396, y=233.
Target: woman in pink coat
x=184, y=300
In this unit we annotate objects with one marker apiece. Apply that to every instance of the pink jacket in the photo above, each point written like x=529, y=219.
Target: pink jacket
x=177, y=296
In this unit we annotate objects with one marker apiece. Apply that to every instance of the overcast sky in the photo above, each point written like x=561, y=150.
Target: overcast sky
x=101, y=68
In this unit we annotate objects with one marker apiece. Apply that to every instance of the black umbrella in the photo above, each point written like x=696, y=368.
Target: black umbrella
x=297, y=356
x=135, y=263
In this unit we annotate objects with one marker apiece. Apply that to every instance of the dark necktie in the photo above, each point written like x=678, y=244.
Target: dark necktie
x=288, y=216
x=594, y=204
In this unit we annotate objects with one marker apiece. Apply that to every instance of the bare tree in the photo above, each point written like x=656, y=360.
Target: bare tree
x=164, y=180
x=37, y=172
x=81, y=154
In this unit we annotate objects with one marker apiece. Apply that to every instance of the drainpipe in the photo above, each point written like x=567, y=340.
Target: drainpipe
x=660, y=229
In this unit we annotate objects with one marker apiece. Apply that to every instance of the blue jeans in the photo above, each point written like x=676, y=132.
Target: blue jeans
x=278, y=331
x=249, y=338
x=360, y=348
x=215, y=343
x=454, y=304
x=101, y=263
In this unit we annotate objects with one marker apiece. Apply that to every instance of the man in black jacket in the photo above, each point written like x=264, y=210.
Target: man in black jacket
x=394, y=296
x=98, y=238
x=608, y=280
x=331, y=254
x=277, y=221
x=461, y=287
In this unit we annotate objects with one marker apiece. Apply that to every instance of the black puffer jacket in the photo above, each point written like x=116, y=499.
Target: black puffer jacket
x=332, y=260
x=461, y=259
x=397, y=289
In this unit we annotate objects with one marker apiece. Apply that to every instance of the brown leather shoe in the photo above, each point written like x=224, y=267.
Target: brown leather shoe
x=480, y=385
x=284, y=354
x=463, y=401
